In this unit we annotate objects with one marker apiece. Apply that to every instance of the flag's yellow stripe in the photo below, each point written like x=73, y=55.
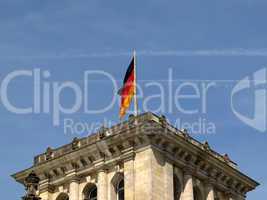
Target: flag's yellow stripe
x=127, y=101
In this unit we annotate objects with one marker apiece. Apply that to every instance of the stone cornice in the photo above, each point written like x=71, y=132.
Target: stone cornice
x=120, y=143
x=203, y=165
x=190, y=150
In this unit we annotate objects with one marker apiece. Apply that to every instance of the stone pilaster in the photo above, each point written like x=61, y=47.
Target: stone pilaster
x=102, y=185
x=210, y=192
x=74, y=189
x=45, y=195
x=45, y=190
x=129, y=179
x=168, y=171
x=188, y=193
x=143, y=175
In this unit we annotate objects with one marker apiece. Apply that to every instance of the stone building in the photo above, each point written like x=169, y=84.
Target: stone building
x=144, y=158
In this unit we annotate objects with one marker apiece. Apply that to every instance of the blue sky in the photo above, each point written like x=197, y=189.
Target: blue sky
x=201, y=41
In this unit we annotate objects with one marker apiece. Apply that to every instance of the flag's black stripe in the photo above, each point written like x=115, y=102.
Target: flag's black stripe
x=129, y=71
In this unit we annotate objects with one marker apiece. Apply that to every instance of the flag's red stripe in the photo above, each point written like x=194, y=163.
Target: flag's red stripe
x=127, y=88
x=127, y=91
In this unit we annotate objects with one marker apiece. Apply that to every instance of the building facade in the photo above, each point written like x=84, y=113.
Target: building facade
x=144, y=158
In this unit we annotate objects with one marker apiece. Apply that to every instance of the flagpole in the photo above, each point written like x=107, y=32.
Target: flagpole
x=135, y=85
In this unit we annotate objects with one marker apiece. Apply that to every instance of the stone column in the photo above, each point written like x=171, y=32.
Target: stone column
x=74, y=189
x=188, y=193
x=129, y=179
x=102, y=189
x=210, y=192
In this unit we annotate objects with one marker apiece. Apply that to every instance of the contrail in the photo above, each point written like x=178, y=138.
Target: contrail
x=156, y=53
x=209, y=52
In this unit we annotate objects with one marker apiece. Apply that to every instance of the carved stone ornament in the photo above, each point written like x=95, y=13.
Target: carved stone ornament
x=31, y=183
x=49, y=153
x=75, y=143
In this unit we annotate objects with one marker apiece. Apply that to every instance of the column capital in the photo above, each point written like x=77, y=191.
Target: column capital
x=47, y=187
x=230, y=194
x=104, y=169
x=188, y=170
x=210, y=182
x=74, y=178
x=130, y=156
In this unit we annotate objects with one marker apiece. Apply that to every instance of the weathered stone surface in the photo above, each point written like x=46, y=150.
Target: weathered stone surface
x=146, y=154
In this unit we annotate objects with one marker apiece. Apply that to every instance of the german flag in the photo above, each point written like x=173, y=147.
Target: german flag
x=128, y=89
